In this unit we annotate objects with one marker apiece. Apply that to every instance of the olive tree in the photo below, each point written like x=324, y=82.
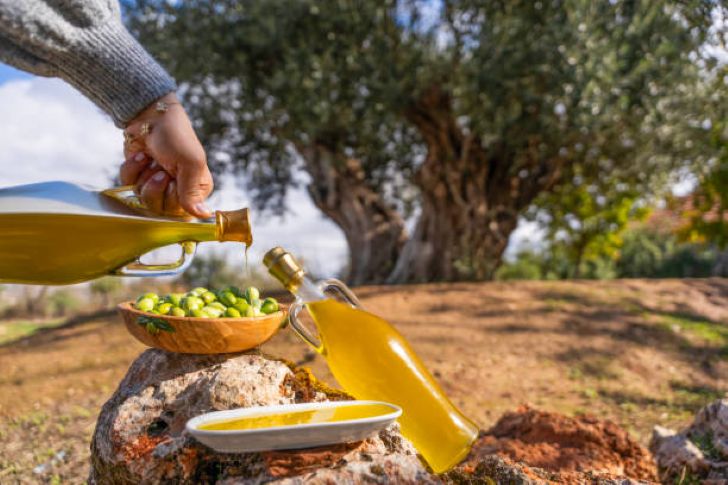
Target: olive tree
x=457, y=115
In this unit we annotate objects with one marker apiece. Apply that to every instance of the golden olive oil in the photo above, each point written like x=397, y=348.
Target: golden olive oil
x=315, y=416
x=372, y=361
x=54, y=249
x=55, y=233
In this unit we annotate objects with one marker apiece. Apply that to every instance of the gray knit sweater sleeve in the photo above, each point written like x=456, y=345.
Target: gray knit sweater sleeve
x=84, y=43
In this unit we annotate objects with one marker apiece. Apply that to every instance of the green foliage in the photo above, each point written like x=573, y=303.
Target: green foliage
x=62, y=302
x=105, y=288
x=585, y=224
x=155, y=325
x=215, y=271
x=211, y=271
x=642, y=253
x=597, y=101
x=708, y=216
x=526, y=266
x=651, y=254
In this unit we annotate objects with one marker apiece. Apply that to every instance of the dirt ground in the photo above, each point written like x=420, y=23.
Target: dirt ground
x=637, y=352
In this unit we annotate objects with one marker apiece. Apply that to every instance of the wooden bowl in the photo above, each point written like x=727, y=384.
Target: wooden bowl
x=192, y=335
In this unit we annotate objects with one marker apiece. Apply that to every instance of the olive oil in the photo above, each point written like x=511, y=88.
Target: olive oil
x=331, y=415
x=372, y=361
x=58, y=233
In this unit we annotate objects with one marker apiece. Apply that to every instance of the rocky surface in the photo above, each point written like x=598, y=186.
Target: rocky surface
x=140, y=436
x=698, y=453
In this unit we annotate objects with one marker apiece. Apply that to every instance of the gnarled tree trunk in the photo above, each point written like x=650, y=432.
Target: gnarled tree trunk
x=374, y=231
x=470, y=199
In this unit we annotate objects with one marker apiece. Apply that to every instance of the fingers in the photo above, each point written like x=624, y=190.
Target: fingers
x=194, y=184
x=171, y=202
x=132, y=168
x=145, y=175
x=153, y=191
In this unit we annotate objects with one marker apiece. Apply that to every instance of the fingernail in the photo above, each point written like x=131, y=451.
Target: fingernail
x=201, y=208
x=159, y=176
x=139, y=157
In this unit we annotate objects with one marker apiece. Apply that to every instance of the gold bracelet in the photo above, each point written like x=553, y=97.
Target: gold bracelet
x=163, y=106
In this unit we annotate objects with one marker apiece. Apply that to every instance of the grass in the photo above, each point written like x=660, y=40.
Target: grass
x=712, y=332
x=16, y=329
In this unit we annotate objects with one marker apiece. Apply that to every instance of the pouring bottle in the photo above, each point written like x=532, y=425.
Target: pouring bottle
x=56, y=233
x=371, y=360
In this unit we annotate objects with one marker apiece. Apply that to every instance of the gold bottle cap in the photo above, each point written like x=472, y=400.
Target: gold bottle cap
x=284, y=267
x=234, y=226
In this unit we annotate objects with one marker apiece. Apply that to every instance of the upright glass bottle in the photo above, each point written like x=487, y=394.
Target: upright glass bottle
x=371, y=360
x=59, y=233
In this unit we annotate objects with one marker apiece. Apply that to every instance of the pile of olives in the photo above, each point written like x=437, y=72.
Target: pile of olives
x=203, y=303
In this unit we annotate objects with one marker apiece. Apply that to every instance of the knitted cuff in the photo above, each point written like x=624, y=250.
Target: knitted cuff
x=110, y=67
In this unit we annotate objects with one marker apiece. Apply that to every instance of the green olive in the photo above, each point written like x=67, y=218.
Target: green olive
x=235, y=291
x=198, y=313
x=212, y=311
x=152, y=296
x=191, y=303
x=270, y=305
x=178, y=312
x=208, y=296
x=145, y=304
x=164, y=308
x=175, y=298
x=256, y=304
x=250, y=312
x=218, y=305
x=232, y=313
x=242, y=306
x=252, y=293
x=228, y=298
x=198, y=291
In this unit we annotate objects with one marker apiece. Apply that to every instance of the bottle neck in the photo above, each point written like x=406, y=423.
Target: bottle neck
x=307, y=290
x=234, y=226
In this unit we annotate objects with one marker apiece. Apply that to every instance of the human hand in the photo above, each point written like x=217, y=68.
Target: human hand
x=167, y=164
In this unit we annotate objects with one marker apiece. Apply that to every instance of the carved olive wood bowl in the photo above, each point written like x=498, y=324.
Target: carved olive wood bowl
x=193, y=335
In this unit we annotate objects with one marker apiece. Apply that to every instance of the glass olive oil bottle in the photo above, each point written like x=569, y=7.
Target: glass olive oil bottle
x=56, y=233
x=371, y=360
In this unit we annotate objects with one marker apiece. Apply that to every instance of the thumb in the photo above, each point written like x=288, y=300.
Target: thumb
x=194, y=184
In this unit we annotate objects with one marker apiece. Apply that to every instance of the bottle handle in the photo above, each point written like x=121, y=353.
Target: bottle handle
x=330, y=285
x=125, y=194
x=137, y=268
x=300, y=329
x=339, y=287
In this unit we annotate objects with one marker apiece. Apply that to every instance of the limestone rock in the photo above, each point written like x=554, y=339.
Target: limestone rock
x=700, y=450
x=140, y=435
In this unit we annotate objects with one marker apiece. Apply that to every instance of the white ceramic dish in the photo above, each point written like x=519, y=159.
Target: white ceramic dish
x=288, y=437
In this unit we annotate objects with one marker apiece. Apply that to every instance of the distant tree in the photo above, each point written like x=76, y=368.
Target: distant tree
x=650, y=253
x=457, y=113
x=210, y=271
x=585, y=223
x=105, y=288
x=707, y=217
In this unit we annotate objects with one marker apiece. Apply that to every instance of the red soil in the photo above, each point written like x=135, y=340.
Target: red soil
x=566, y=445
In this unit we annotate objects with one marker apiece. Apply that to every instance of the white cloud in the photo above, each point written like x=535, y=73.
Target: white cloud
x=48, y=131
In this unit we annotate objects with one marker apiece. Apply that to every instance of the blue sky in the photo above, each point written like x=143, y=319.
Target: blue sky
x=8, y=73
